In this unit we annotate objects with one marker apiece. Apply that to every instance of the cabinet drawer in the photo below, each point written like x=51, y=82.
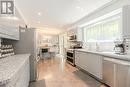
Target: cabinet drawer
x=122, y=76
x=108, y=73
x=91, y=63
x=116, y=73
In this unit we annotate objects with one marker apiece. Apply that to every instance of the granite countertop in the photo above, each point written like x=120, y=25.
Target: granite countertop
x=125, y=57
x=9, y=66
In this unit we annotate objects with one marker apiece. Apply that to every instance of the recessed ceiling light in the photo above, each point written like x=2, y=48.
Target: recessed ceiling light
x=39, y=13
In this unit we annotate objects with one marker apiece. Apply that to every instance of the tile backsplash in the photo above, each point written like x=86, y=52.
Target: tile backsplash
x=6, y=48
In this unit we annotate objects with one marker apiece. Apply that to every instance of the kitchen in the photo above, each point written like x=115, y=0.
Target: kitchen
x=65, y=43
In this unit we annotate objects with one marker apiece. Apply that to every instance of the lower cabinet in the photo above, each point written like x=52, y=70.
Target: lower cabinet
x=91, y=63
x=116, y=73
x=108, y=73
x=113, y=72
x=122, y=75
x=80, y=59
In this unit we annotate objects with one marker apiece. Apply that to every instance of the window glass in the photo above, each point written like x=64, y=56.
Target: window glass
x=103, y=31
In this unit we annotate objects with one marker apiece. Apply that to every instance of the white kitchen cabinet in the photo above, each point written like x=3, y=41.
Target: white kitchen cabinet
x=79, y=34
x=94, y=64
x=122, y=75
x=9, y=32
x=91, y=63
x=80, y=59
x=77, y=58
x=126, y=21
x=108, y=72
x=116, y=73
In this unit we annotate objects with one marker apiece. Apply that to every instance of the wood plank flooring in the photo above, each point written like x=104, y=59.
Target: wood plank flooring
x=57, y=73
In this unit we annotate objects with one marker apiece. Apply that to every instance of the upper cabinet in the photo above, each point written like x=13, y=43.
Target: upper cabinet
x=79, y=34
x=126, y=21
x=9, y=32
x=9, y=25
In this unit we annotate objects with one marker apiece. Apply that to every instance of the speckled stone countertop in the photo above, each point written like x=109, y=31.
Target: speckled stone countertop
x=9, y=66
x=125, y=57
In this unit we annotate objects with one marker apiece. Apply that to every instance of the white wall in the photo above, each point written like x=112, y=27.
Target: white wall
x=102, y=11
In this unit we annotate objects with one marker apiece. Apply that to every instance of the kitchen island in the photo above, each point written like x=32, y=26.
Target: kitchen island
x=15, y=71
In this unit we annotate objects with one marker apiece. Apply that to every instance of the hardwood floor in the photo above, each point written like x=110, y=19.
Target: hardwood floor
x=57, y=73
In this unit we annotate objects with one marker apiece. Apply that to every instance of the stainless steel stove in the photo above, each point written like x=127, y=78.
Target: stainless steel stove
x=71, y=55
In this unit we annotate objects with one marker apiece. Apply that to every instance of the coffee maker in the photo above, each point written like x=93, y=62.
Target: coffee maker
x=120, y=46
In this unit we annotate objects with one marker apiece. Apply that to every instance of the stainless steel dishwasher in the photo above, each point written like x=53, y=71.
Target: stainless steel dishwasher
x=116, y=73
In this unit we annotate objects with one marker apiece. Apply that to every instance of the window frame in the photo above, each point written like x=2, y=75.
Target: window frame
x=103, y=21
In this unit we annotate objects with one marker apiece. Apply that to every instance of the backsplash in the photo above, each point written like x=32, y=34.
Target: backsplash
x=104, y=46
x=6, y=48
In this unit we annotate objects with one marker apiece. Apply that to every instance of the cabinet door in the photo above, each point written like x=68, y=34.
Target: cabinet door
x=126, y=21
x=94, y=64
x=9, y=32
x=15, y=33
x=89, y=62
x=79, y=34
x=79, y=59
x=108, y=73
x=3, y=30
x=122, y=75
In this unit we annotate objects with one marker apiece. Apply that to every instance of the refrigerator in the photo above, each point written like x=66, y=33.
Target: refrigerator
x=28, y=44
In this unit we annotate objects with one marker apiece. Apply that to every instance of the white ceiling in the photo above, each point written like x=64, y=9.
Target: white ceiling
x=56, y=13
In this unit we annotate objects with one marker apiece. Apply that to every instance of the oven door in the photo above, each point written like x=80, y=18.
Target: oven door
x=70, y=57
